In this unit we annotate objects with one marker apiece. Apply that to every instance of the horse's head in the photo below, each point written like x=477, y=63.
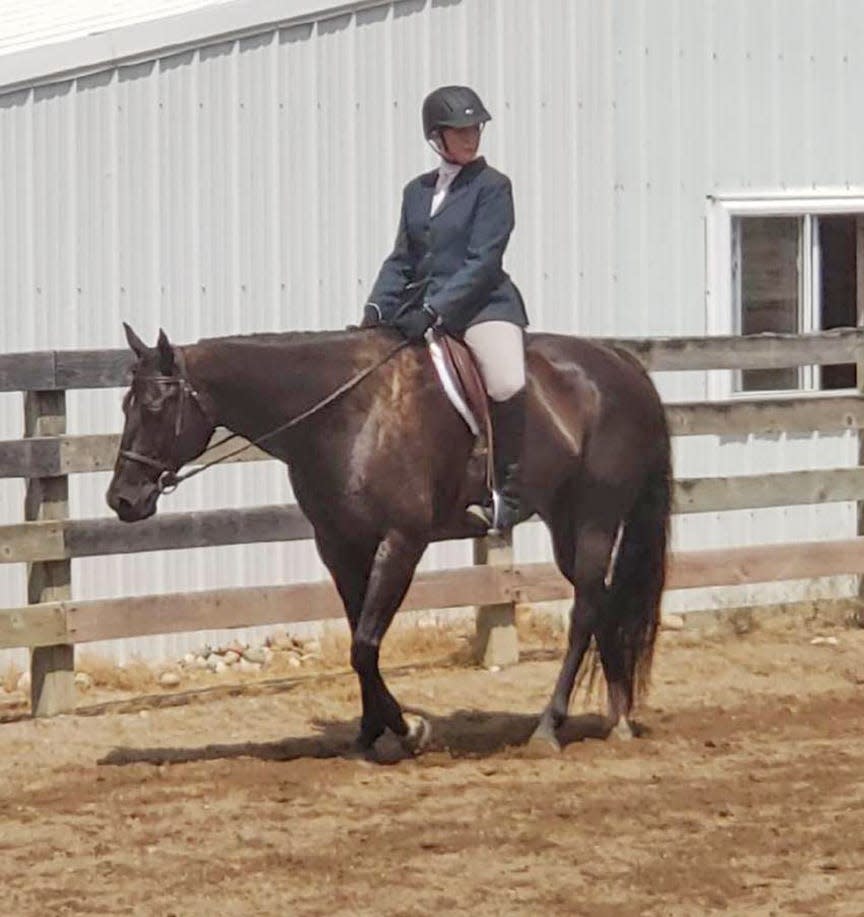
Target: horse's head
x=166, y=426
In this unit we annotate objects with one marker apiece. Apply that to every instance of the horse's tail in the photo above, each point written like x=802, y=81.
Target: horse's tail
x=640, y=573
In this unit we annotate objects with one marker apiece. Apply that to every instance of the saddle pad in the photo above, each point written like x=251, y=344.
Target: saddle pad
x=461, y=382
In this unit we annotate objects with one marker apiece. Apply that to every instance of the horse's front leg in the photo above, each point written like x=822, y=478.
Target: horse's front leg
x=395, y=560
x=349, y=566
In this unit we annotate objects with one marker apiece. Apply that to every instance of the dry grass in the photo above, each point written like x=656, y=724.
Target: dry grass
x=540, y=629
x=404, y=644
x=133, y=676
x=10, y=677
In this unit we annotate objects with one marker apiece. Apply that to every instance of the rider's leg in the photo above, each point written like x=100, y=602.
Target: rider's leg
x=499, y=348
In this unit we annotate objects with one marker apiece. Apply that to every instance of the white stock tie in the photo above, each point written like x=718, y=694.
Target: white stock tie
x=447, y=171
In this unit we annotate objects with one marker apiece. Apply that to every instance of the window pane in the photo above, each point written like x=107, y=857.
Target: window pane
x=838, y=287
x=769, y=289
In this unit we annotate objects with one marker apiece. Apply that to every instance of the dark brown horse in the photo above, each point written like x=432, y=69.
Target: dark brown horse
x=382, y=470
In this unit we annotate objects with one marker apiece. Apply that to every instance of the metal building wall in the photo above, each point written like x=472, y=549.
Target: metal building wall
x=253, y=183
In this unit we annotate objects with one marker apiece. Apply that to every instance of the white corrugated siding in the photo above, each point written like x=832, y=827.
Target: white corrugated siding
x=253, y=184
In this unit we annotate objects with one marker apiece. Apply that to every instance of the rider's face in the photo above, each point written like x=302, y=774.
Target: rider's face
x=461, y=143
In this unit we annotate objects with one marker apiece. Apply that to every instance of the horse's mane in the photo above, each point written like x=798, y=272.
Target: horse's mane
x=278, y=339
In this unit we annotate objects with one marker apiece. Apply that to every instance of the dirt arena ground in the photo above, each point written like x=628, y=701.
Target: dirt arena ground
x=745, y=795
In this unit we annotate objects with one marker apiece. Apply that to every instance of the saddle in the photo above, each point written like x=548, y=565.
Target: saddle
x=462, y=383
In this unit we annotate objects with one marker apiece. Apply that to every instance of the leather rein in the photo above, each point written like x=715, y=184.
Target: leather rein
x=169, y=479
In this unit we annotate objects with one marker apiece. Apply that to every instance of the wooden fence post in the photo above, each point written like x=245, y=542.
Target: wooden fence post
x=497, y=643
x=859, y=381
x=52, y=668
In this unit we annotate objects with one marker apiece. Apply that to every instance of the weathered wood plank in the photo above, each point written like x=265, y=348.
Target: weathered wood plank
x=52, y=680
x=79, y=369
x=228, y=608
x=497, y=641
x=46, y=541
x=98, y=453
x=38, y=457
x=22, y=372
x=768, y=416
x=756, y=351
x=247, y=607
x=33, y=625
x=788, y=488
x=716, y=567
x=31, y=541
x=47, y=456
x=96, y=537
x=765, y=563
x=141, y=616
x=64, y=369
x=52, y=668
x=82, y=454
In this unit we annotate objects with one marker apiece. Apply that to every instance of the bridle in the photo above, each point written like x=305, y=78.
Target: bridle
x=169, y=478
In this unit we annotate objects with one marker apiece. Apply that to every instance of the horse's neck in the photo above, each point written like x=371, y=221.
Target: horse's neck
x=251, y=388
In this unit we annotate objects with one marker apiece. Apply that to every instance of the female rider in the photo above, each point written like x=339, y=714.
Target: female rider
x=446, y=269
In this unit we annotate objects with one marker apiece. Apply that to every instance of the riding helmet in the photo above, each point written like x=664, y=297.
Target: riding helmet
x=452, y=106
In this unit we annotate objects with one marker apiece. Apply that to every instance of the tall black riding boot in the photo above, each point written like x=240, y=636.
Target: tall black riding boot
x=508, y=437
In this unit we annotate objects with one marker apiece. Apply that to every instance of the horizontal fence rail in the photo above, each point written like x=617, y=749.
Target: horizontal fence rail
x=58, y=455
x=140, y=616
x=74, y=538
x=84, y=369
x=52, y=623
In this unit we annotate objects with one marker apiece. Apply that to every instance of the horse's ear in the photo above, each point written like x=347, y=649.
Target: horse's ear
x=166, y=354
x=139, y=348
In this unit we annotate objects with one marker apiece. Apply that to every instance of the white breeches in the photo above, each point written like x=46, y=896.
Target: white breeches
x=499, y=349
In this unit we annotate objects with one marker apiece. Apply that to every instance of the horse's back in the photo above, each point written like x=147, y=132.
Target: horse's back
x=598, y=401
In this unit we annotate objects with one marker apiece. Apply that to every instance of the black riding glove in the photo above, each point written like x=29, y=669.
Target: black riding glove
x=371, y=316
x=414, y=323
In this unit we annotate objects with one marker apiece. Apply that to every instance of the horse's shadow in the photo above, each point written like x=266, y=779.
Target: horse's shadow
x=462, y=734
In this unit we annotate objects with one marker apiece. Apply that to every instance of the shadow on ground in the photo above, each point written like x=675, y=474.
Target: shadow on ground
x=461, y=734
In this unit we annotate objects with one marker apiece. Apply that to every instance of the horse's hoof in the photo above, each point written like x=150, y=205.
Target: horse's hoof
x=622, y=731
x=543, y=742
x=362, y=752
x=418, y=736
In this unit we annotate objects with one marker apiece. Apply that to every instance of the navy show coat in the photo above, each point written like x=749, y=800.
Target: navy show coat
x=453, y=260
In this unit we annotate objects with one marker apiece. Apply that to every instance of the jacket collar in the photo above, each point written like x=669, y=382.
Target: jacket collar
x=474, y=168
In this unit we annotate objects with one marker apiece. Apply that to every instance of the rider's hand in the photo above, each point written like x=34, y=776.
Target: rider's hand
x=414, y=323
x=371, y=316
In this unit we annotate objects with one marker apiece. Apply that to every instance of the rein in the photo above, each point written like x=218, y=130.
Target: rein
x=169, y=480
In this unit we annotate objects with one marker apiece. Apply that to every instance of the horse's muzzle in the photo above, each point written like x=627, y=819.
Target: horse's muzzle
x=142, y=506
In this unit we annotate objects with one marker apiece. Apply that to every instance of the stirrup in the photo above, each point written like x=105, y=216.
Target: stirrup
x=489, y=514
x=484, y=513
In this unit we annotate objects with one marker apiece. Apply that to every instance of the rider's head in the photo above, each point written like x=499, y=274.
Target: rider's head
x=453, y=119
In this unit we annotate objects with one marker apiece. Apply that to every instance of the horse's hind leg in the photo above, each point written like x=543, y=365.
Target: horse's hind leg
x=587, y=571
x=619, y=680
x=581, y=624
x=392, y=570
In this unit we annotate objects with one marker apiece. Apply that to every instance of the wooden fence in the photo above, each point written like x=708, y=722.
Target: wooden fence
x=52, y=621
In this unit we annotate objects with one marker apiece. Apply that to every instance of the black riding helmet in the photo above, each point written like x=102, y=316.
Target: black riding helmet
x=452, y=106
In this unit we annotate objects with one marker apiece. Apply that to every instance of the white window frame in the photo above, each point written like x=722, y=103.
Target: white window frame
x=723, y=313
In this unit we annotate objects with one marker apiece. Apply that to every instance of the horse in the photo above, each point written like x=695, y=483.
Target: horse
x=380, y=464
